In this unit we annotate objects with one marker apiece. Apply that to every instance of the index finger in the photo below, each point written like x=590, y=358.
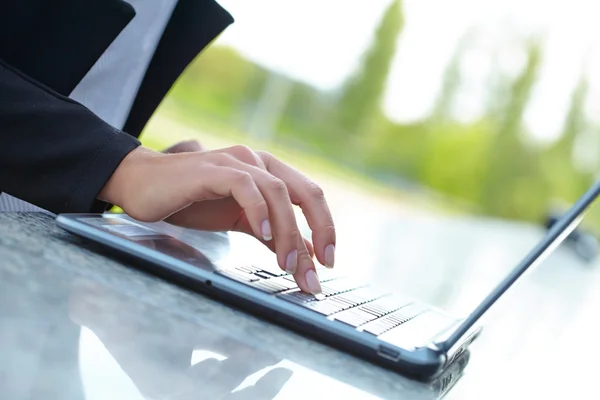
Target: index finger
x=309, y=196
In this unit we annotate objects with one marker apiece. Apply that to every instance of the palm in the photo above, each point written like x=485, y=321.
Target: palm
x=213, y=215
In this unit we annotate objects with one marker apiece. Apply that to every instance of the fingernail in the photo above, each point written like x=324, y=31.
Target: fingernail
x=329, y=256
x=291, y=262
x=265, y=228
x=312, y=280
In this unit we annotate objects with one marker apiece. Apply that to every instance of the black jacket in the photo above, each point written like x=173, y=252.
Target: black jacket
x=54, y=152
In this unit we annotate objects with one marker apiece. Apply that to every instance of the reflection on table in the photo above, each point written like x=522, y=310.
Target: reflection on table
x=75, y=324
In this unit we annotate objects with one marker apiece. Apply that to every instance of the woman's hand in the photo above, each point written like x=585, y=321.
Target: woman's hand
x=229, y=189
x=187, y=146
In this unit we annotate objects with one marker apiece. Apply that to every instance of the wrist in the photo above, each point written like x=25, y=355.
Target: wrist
x=123, y=180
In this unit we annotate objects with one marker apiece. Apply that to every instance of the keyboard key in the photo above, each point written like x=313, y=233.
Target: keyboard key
x=354, y=317
x=272, y=269
x=372, y=309
x=344, y=300
x=327, y=291
x=398, y=318
x=270, y=274
x=341, y=285
x=355, y=297
x=238, y=276
x=339, y=303
x=386, y=305
x=263, y=275
x=285, y=282
x=350, y=319
x=268, y=286
x=324, y=307
x=376, y=328
x=297, y=297
x=245, y=269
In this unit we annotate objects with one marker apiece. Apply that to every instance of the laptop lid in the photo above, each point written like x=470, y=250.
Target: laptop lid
x=559, y=232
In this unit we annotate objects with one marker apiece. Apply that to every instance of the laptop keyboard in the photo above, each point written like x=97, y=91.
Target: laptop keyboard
x=343, y=299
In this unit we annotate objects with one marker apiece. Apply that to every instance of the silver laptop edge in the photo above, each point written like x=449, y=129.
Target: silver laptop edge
x=559, y=232
x=440, y=352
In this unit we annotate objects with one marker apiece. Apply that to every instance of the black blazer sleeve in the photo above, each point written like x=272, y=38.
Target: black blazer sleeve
x=54, y=152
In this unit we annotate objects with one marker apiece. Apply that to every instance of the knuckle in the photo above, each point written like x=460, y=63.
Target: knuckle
x=315, y=191
x=241, y=178
x=221, y=159
x=244, y=154
x=265, y=155
x=277, y=185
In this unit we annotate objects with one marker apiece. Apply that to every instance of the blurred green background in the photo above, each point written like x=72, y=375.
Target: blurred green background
x=486, y=166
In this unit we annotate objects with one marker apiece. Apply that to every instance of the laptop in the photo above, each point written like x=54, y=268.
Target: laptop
x=391, y=330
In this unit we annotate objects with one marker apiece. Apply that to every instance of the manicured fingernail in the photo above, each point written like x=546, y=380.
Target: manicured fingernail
x=329, y=256
x=291, y=262
x=312, y=280
x=265, y=228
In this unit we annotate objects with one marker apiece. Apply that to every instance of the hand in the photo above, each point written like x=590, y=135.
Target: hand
x=229, y=189
x=187, y=146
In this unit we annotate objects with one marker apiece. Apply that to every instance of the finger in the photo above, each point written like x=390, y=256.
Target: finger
x=306, y=275
x=309, y=247
x=281, y=213
x=292, y=253
x=243, y=154
x=309, y=196
x=244, y=227
x=223, y=181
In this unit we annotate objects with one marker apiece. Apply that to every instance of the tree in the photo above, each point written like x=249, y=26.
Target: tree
x=451, y=81
x=361, y=95
x=508, y=190
x=559, y=167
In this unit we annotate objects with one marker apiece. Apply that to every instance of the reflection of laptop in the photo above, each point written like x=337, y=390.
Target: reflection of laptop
x=394, y=331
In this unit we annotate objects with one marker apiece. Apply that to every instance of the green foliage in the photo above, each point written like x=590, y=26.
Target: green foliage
x=558, y=166
x=361, y=96
x=486, y=163
x=218, y=83
x=510, y=162
x=452, y=163
x=451, y=81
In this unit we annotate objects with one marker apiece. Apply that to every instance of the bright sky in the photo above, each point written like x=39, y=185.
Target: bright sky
x=320, y=42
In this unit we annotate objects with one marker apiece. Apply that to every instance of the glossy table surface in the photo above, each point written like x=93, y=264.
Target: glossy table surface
x=76, y=323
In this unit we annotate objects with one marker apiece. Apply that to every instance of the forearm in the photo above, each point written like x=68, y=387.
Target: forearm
x=55, y=153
